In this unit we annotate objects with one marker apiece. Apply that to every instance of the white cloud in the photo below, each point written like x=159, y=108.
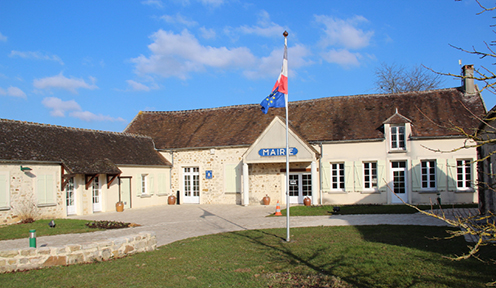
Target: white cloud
x=136, y=86
x=212, y=3
x=62, y=82
x=270, y=66
x=264, y=27
x=13, y=91
x=3, y=38
x=177, y=55
x=179, y=19
x=344, y=33
x=35, y=55
x=59, y=108
x=156, y=3
x=342, y=57
x=207, y=33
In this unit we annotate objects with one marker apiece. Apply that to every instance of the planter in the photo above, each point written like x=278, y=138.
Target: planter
x=266, y=200
x=307, y=201
x=171, y=200
x=119, y=206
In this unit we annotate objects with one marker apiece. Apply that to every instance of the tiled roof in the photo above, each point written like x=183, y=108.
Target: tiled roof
x=343, y=118
x=81, y=151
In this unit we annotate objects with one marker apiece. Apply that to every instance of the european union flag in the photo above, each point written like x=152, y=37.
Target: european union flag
x=274, y=100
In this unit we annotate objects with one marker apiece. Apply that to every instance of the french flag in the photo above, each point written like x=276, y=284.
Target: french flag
x=277, y=99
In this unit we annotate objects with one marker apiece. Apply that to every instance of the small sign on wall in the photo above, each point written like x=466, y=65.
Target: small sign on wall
x=208, y=174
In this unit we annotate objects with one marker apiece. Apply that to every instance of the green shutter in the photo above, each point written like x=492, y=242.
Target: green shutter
x=452, y=175
x=381, y=176
x=162, y=183
x=232, y=178
x=441, y=175
x=151, y=185
x=348, y=176
x=138, y=185
x=41, y=189
x=416, y=176
x=358, y=176
x=4, y=191
x=50, y=189
x=326, y=176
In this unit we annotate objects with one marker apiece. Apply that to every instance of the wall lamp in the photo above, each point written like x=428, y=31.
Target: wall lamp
x=25, y=169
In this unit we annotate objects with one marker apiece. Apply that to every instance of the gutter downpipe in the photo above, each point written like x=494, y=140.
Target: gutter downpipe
x=320, y=172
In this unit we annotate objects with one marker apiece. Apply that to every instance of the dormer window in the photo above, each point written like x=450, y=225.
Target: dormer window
x=398, y=137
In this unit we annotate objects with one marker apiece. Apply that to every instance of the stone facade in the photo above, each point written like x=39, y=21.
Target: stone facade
x=35, y=258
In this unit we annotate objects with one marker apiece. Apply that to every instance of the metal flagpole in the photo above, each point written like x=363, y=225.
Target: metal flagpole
x=286, y=96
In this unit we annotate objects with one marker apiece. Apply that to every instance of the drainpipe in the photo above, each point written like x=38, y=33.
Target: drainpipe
x=320, y=172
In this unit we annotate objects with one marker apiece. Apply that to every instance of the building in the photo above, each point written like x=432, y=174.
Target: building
x=487, y=163
x=343, y=150
x=51, y=171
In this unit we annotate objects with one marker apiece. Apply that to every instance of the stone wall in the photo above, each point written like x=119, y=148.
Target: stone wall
x=34, y=258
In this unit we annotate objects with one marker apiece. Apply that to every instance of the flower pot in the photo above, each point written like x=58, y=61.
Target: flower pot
x=266, y=200
x=119, y=206
x=172, y=200
x=307, y=201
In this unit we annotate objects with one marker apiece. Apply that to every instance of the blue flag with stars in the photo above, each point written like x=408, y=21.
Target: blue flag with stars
x=274, y=100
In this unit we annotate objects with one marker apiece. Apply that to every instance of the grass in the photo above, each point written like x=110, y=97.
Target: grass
x=359, y=256
x=363, y=209
x=63, y=226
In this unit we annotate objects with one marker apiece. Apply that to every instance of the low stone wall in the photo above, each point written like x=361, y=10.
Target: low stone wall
x=34, y=258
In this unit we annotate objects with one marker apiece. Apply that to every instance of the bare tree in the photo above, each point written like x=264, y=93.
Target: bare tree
x=394, y=78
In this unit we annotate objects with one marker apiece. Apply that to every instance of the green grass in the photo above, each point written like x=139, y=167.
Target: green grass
x=363, y=209
x=63, y=226
x=360, y=256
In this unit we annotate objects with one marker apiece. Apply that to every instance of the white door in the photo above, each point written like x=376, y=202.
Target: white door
x=191, y=182
x=97, y=195
x=126, y=191
x=399, y=182
x=70, y=197
x=300, y=187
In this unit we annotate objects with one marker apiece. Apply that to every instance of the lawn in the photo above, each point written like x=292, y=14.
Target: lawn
x=62, y=226
x=359, y=256
x=363, y=209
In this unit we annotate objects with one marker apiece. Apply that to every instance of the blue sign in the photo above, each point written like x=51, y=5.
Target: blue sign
x=208, y=174
x=264, y=152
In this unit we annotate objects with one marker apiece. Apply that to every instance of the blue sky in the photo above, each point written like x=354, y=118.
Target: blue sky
x=96, y=64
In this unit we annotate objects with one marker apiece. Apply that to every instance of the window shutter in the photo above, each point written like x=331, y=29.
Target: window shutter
x=358, y=176
x=138, y=185
x=451, y=175
x=4, y=191
x=41, y=189
x=441, y=175
x=416, y=176
x=381, y=176
x=50, y=189
x=151, y=186
x=326, y=176
x=348, y=176
x=162, y=183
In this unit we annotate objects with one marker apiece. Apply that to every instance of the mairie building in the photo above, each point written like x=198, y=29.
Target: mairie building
x=363, y=149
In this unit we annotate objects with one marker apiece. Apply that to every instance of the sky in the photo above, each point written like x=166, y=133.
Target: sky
x=96, y=64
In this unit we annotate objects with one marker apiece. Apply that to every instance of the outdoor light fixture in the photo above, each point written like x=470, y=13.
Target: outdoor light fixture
x=25, y=169
x=336, y=209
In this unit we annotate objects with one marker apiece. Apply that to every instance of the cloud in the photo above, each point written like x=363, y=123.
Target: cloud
x=270, y=66
x=35, y=55
x=62, y=82
x=264, y=27
x=59, y=108
x=156, y=3
x=212, y=3
x=178, y=19
x=177, y=55
x=13, y=91
x=136, y=86
x=207, y=33
x=342, y=57
x=3, y=38
x=344, y=33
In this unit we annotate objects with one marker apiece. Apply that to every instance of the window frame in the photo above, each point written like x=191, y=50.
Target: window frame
x=397, y=137
x=431, y=171
x=466, y=176
x=144, y=184
x=369, y=172
x=340, y=177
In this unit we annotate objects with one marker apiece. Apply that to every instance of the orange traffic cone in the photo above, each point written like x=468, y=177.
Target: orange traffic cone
x=278, y=209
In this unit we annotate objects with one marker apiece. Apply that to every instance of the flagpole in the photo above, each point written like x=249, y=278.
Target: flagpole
x=286, y=96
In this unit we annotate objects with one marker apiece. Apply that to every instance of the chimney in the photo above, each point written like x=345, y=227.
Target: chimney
x=468, y=79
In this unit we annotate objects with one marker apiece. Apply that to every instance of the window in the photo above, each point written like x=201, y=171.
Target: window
x=428, y=174
x=144, y=178
x=337, y=176
x=463, y=174
x=398, y=137
x=370, y=175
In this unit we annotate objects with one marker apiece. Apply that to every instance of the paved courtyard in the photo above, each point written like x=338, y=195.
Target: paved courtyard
x=176, y=222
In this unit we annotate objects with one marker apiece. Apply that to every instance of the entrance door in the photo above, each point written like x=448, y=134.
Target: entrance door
x=70, y=197
x=399, y=182
x=125, y=184
x=191, y=182
x=97, y=195
x=300, y=186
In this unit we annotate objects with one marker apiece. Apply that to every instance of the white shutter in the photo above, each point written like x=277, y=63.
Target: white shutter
x=151, y=185
x=4, y=191
x=348, y=176
x=416, y=176
x=326, y=176
x=452, y=175
x=50, y=189
x=358, y=176
x=381, y=176
x=41, y=189
x=441, y=176
x=162, y=183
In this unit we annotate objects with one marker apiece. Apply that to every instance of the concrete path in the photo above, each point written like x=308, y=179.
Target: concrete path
x=172, y=223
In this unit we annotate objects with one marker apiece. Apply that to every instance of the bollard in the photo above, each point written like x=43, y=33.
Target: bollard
x=32, y=238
